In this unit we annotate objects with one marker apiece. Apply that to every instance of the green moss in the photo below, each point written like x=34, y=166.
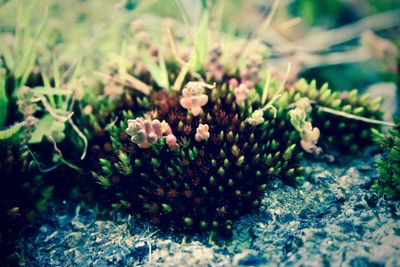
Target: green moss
x=389, y=166
x=340, y=133
x=203, y=186
x=200, y=185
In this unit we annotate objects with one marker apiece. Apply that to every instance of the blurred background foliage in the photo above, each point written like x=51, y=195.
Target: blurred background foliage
x=91, y=29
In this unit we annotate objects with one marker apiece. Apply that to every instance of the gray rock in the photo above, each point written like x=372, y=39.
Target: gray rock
x=249, y=258
x=333, y=219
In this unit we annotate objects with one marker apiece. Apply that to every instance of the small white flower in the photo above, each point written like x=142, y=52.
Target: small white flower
x=256, y=118
x=202, y=132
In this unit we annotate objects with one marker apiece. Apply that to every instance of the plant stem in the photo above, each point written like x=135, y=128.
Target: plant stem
x=355, y=117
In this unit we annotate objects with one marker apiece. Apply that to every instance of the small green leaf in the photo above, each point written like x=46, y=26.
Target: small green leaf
x=158, y=72
x=8, y=133
x=42, y=129
x=125, y=203
x=101, y=180
x=167, y=208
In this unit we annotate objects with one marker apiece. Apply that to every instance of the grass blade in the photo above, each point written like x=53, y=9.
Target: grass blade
x=3, y=98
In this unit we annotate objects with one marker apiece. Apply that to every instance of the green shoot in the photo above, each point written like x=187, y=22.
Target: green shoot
x=158, y=71
x=10, y=132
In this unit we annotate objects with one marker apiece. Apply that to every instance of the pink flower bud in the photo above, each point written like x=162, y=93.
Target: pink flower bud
x=233, y=83
x=171, y=141
x=241, y=93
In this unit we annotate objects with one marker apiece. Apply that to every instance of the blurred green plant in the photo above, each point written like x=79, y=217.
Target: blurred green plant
x=316, y=12
x=3, y=98
x=11, y=131
x=19, y=56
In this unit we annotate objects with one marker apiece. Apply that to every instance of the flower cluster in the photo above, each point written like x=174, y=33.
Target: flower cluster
x=144, y=133
x=309, y=139
x=257, y=117
x=309, y=135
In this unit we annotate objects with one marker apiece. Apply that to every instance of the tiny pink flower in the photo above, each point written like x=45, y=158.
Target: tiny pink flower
x=202, y=132
x=233, y=83
x=170, y=138
x=309, y=139
x=241, y=93
x=171, y=141
x=194, y=97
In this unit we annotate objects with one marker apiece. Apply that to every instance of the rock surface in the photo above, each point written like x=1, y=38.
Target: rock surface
x=333, y=219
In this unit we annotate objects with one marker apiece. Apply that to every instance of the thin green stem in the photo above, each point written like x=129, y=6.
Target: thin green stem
x=355, y=117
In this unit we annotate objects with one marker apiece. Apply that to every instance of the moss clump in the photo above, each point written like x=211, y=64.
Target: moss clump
x=389, y=165
x=201, y=184
x=205, y=183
